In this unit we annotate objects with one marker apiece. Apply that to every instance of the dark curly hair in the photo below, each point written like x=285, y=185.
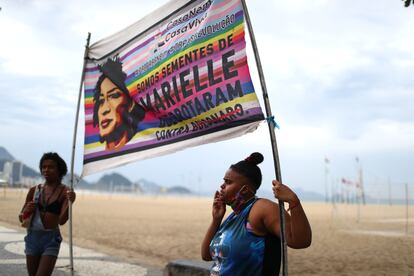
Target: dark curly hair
x=61, y=164
x=248, y=168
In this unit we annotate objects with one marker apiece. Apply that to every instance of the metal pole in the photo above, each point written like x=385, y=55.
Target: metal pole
x=73, y=152
x=389, y=192
x=326, y=183
x=361, y=184
x=272, y=138
x=358, y=209
x=406, y=208
x=326, y=180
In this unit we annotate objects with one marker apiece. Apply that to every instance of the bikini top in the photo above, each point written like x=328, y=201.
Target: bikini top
x=53, y=207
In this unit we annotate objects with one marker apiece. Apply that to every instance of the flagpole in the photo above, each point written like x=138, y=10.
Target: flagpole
x=272, y=138
x=73, y=153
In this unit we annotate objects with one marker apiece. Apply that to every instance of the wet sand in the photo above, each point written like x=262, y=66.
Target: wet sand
x=154, y=230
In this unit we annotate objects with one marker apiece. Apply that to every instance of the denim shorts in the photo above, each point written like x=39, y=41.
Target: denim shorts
x=42, y=243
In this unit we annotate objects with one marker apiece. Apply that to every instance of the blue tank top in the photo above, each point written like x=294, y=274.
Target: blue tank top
x=236, y=251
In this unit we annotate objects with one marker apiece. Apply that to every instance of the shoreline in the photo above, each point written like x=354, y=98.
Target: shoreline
x=370, y=202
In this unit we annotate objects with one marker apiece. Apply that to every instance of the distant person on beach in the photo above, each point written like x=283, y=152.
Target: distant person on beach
x=115, y=112
x=247, y=242
x=48, y=203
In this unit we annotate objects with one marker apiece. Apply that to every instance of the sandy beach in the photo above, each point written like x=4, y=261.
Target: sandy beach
x=154, y=230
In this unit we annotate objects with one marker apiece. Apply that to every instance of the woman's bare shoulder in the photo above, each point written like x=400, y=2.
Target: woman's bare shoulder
x=31, y=192
x=264, y=202
x=263, y=210
x=263, y=205
x=65, y=187
x=63, y=190
x=32, y=189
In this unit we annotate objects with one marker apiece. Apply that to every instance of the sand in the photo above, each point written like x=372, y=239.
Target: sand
x=154, y=230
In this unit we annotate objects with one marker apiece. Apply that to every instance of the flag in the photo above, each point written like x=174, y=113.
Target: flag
x=348, y=182
x=178, y=78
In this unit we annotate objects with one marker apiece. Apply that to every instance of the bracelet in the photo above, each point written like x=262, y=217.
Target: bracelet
x=294, y=206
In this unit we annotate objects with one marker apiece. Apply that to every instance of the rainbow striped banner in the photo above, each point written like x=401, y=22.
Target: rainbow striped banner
x=175, y=79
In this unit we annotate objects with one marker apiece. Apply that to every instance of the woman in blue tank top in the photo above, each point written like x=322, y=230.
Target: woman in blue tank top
x=247, y=241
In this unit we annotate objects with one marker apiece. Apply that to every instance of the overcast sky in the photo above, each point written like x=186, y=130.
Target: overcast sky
x=339, y=77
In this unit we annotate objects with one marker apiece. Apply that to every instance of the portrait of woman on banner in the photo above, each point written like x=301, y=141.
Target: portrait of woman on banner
x=115, y=112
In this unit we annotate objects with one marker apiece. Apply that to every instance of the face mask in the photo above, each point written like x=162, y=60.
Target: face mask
x=238, y=201
x=236, y=198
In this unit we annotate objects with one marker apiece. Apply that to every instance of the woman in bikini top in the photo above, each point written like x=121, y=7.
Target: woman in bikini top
x=52, y=202
x=49, y=210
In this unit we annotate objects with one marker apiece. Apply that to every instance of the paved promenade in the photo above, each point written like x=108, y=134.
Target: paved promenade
x=86, y=262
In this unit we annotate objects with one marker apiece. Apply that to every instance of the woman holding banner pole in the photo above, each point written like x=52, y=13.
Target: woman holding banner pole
x=47, y=205
x=248, y=241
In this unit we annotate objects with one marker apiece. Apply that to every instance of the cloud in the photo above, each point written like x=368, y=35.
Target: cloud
x=26, y=51
x=108, y=16
x=337, y=66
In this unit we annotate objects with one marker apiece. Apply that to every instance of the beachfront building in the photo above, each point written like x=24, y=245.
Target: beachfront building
x=13, y=172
